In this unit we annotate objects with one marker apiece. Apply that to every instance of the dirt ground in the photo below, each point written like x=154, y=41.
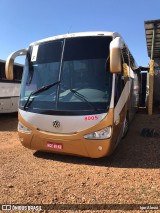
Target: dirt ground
x=130, y=176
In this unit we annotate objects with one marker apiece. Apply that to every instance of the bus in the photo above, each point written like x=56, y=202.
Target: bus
x=10, y=90
x=79, y=93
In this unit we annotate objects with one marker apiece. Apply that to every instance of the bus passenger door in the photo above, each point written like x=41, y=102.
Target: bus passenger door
x=119, y=107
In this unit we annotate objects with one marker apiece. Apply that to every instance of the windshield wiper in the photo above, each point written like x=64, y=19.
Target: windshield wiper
x=82, y=97
x=41, y=89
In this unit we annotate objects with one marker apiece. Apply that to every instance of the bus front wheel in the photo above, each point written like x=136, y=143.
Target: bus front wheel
x=125, y=126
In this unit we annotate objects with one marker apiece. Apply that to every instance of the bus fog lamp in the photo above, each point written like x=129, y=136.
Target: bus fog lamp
x=100, y=148
x=99, y=135
x=23, y=129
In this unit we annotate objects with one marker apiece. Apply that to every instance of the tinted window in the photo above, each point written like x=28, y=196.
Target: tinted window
x=17, y=73
x=86, y=48
x=2, y=71
x=82, y=70
x=49, y=52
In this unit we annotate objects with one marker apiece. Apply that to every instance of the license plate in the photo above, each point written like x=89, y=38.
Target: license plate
x=54, y=145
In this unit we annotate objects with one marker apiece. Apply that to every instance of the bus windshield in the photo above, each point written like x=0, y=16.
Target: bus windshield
x=80, y=65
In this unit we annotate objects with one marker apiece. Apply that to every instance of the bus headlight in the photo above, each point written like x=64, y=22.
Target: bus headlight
x=100, y=135
x=23, y=129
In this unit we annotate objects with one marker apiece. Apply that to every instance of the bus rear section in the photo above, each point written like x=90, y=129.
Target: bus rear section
x=10, y=90
x=74, y=99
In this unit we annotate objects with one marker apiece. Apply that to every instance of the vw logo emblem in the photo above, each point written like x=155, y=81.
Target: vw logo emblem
x=56, y=124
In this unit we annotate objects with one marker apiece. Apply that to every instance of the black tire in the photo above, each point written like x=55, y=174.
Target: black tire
x=125, y=126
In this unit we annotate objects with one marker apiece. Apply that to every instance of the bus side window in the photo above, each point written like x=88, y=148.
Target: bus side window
x=2, y=71
x=18, y=73
x=119, y=85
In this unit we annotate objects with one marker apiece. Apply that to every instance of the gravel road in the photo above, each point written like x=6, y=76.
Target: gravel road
x=130, y=176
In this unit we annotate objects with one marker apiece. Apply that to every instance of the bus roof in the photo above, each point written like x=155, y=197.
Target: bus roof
x=80, y=34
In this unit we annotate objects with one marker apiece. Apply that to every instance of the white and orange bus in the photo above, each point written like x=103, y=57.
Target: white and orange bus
x=79, y=93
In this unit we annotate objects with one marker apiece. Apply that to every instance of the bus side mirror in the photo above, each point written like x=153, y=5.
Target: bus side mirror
x=115, y=55
x=10, y=62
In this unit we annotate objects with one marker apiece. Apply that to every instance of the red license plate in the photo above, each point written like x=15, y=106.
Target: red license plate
x=54, y=145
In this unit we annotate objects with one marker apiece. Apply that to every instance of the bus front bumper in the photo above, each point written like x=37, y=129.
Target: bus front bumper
x=74, y=144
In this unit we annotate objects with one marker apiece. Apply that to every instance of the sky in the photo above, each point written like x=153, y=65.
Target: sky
x=25, y=21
